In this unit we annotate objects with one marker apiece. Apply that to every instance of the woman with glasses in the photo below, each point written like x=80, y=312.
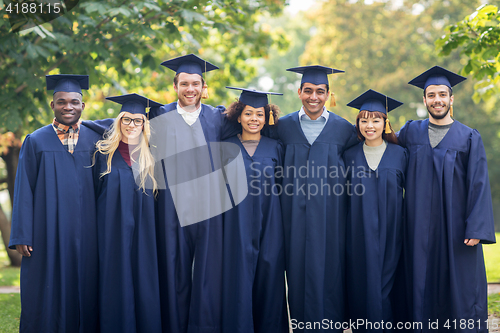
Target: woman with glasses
x=125, y=192
x=253, y=282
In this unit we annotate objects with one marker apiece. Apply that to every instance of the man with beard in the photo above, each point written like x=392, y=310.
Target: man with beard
x=449, y=213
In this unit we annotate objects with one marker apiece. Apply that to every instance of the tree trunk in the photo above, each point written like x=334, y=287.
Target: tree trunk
x=11, y=159
x=14, y=256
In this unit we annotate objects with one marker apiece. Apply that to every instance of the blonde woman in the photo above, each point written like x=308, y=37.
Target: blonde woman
x=125, y=193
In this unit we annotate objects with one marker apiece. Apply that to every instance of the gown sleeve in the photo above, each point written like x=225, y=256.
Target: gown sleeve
x=479, y=222
x=402, y=134
x=280, y=152
x=99, y=126
x=353, y=139
x=228, y=128
x=22, y=211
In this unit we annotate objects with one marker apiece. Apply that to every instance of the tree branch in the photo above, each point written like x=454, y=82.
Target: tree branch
x=24, y=85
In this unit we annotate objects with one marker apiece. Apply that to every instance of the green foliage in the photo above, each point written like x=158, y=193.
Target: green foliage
x=477, y=36
x=273, y=67
x=356, y=37
x=10, y=311
x=121, y=44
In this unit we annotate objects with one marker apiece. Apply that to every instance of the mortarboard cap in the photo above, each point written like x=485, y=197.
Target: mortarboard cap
x=437, y=76
x=374, y=101
x=67, y=82
x=254, y=98
x=314, y=74
x=134, y=103
x=190, y=64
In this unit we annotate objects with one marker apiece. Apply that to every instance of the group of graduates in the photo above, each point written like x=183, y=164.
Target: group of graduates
x=124, y=229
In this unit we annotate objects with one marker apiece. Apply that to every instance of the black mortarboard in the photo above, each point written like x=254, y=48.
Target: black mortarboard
x=134, y=103
x=254, y=98
x=315, y=74
x=67, y=82
x=190, y=64
x=374, y=101
x=437, y=76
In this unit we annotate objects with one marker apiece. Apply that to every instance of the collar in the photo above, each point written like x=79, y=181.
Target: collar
x=65, y=128
x=183, y=112
x=303, y=114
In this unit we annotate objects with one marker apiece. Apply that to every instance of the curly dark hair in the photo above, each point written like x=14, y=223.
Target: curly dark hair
x=391, y=137
x=236, y=108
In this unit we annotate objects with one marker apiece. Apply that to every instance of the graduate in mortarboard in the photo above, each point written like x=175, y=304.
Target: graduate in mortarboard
x=254, y=253
x=375, y=217
x=129, y=286
x=188, y=215
x=314, y=202
x=448, y=210
x=53, y=218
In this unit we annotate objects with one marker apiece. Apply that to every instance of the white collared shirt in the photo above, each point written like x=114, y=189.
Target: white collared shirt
x=189, y=117
x=312, y=128
x=325, y=114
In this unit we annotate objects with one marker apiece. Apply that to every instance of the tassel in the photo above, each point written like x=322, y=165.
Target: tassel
x=388, y=129
x=271, y=118
x=451, y=111
x=332, y=100
x=204, y=94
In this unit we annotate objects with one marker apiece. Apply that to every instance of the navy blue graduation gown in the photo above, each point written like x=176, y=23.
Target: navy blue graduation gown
x=190, y=257
x=129, y=284
x=374, y=233
x=253, y=254
x=54, y=212
x=314, y=214
x=448, y=200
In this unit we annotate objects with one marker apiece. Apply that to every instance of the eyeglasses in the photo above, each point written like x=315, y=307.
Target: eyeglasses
x=137, y=121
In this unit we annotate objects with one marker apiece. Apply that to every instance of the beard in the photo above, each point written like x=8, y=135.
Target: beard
x=436, y=115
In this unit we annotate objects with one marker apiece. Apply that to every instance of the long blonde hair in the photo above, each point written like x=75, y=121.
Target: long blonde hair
x=146, y=162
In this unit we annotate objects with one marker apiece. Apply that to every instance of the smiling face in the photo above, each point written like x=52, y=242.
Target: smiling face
x=67, y=107
x=188, y=89
x=371, y=128
x=313, y=97
x=252, y=120
x=438, y=100
x=131, y=132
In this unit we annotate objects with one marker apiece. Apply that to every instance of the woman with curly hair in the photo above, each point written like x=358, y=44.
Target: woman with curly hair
x=374, y=231
x=253, y=245
x=125, y=193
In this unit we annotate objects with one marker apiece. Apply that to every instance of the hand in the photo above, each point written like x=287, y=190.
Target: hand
x=471, y=242
x=24, y=250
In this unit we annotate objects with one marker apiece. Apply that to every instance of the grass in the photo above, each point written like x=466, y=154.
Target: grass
x=9, y=276
x=10, y=304
x=494, y=305
x=492, y=260
x=9, y=313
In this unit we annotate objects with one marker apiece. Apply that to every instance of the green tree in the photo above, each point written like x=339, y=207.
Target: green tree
x=121, y=45
x=272, y=70
x=477, y=36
